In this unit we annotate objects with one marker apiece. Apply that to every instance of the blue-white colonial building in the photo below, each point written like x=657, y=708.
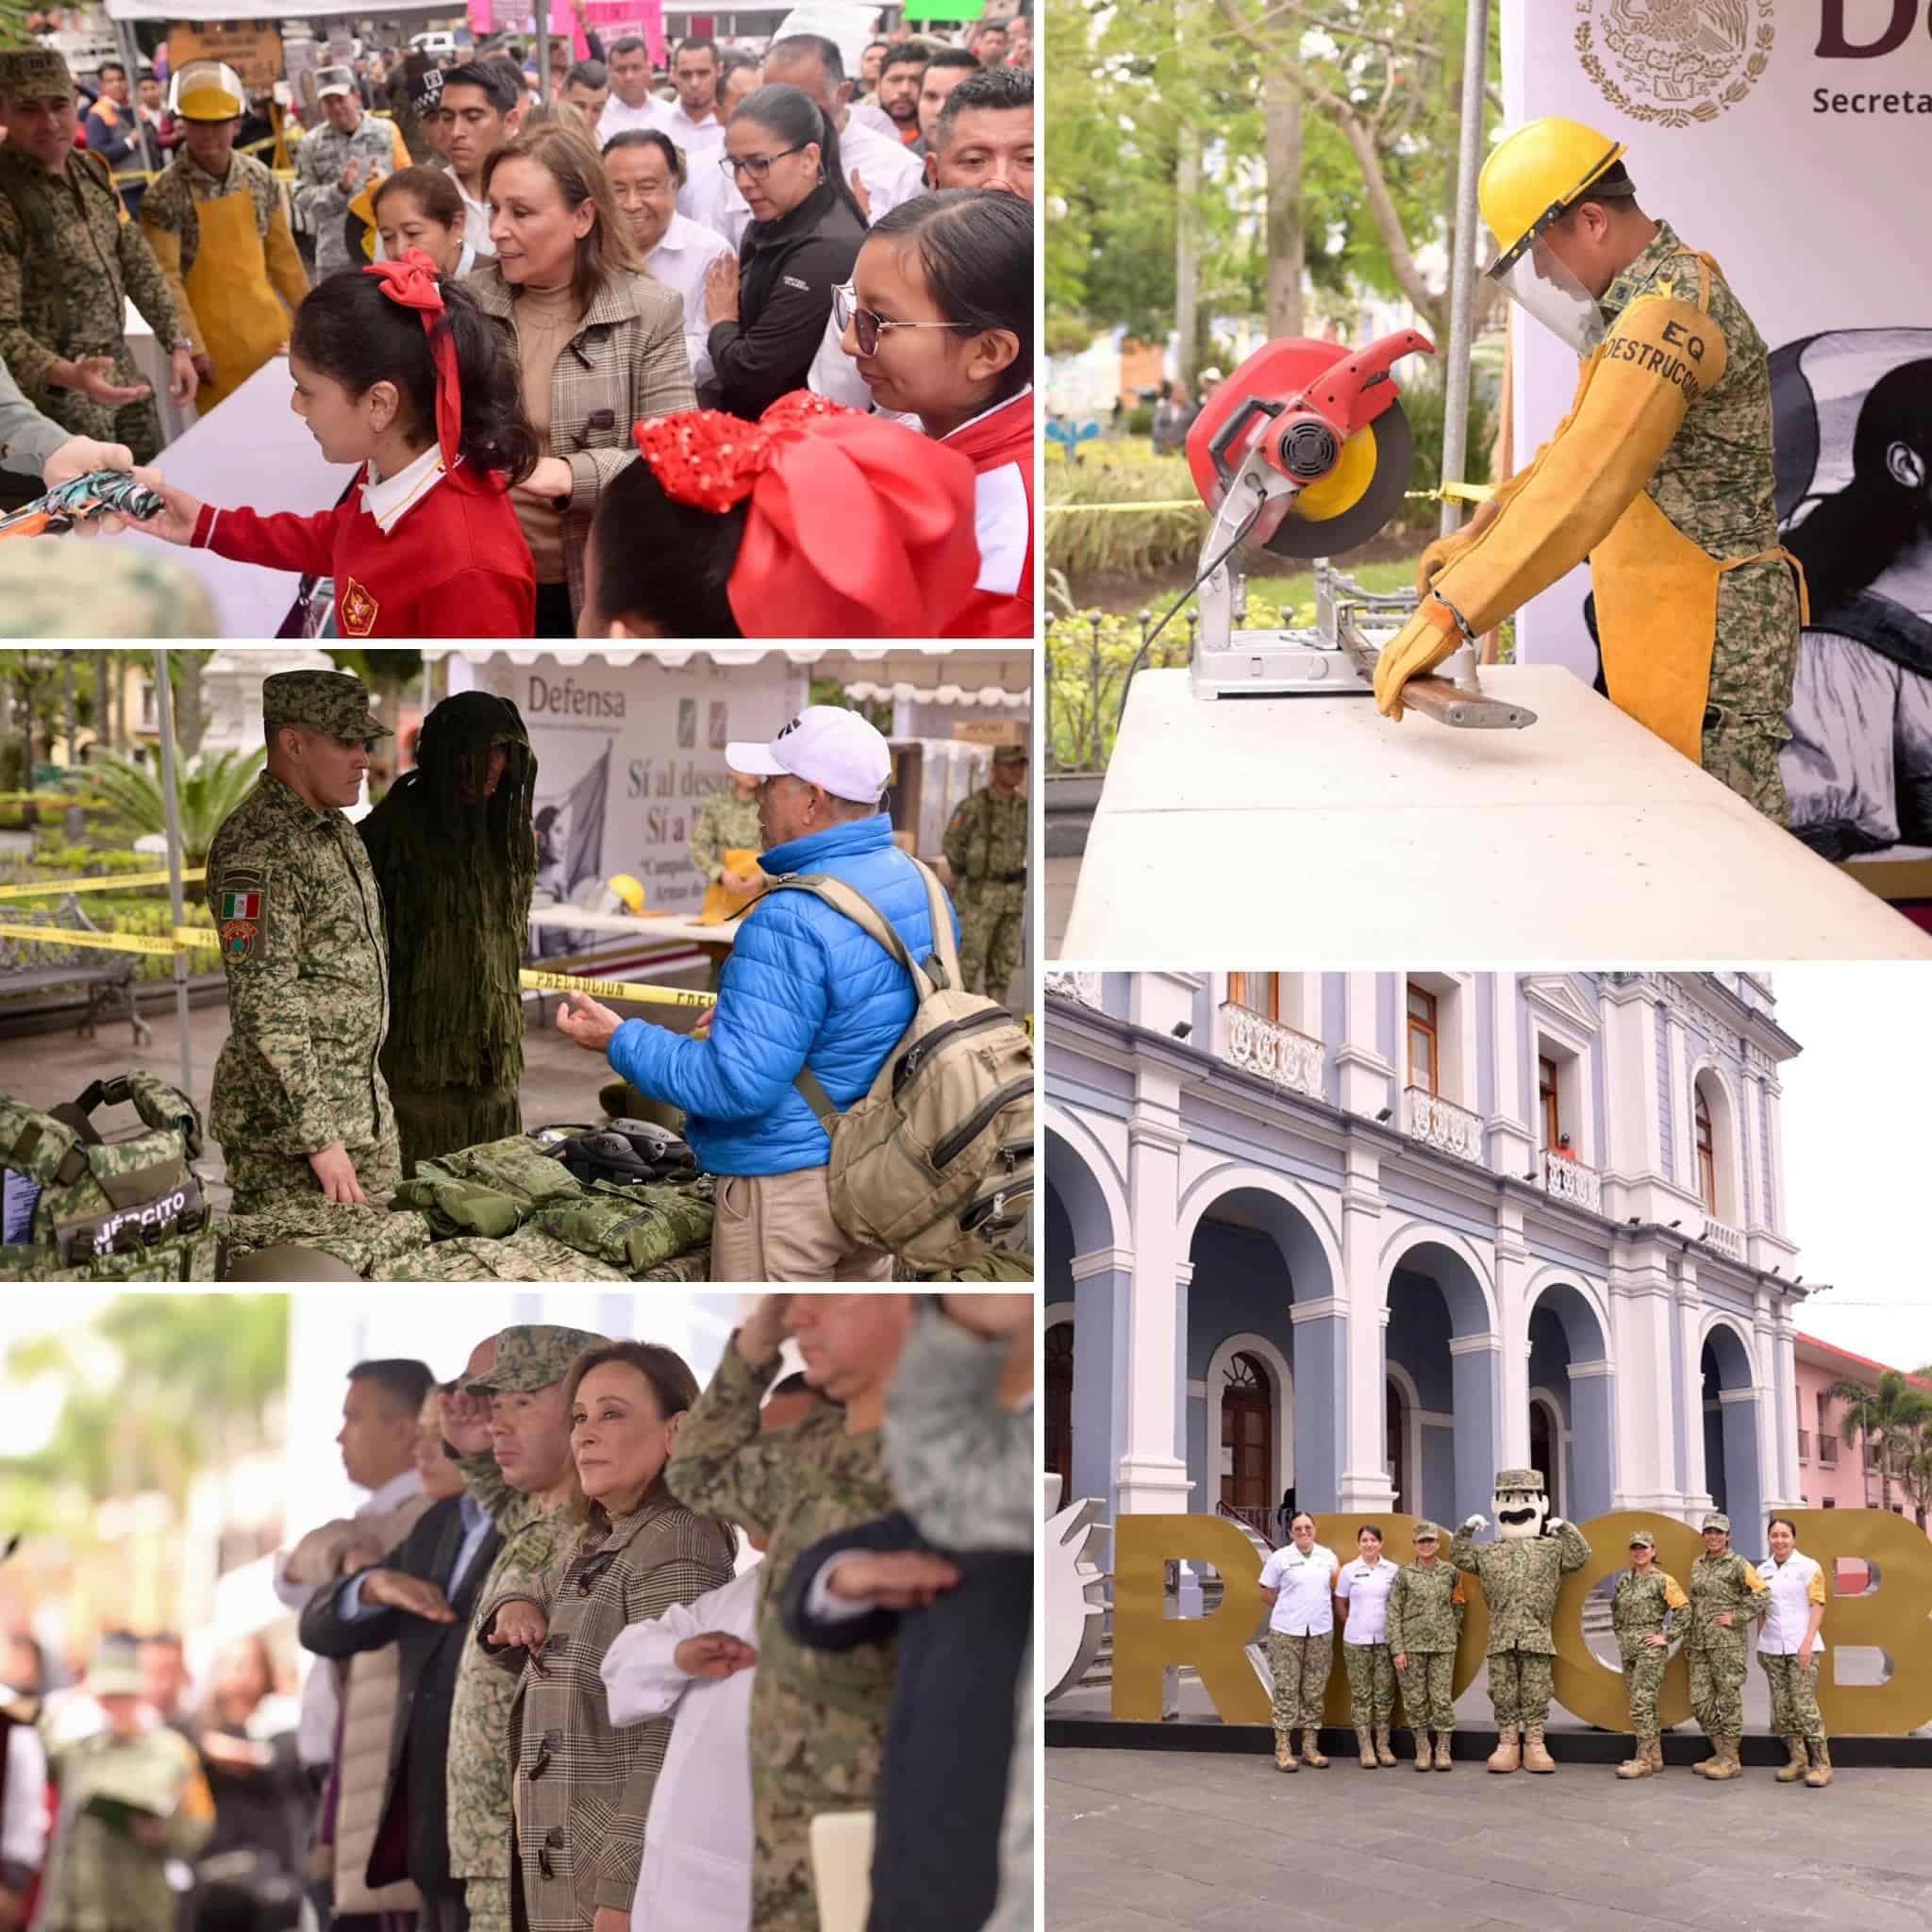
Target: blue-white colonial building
x=1372, y=1236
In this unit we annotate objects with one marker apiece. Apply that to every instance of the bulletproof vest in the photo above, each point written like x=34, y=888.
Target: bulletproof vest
x=81, y=1209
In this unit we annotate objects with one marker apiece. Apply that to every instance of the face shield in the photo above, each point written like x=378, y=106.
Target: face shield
x=1539, y=282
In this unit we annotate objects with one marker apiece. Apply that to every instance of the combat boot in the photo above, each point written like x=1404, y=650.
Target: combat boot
x=1366, y=1745
x=1636, y=1764
x=1535, y=1757
x=1792, y=1769
x=1384, y=1756
x=1284, y=1751
x=1507, y=1755
x=1422, y=1750
x=1726, y=1766
x=1310, y=1754
x=1705, y=1766
x=1820, y=1774
x=1442, y=1759
x=1654, y=1750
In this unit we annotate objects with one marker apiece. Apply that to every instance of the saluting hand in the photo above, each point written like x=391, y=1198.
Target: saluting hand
x=716, y=1653
x=396, y=1589
x=465, y=1420
x=520, y=1627
x=893, y=1579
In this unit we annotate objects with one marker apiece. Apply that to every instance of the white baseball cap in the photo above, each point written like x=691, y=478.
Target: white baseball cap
x=826, y=745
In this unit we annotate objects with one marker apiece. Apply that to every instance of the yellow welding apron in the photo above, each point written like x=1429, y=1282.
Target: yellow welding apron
x=721, y=902
x=242, y=320
x=1656, y=595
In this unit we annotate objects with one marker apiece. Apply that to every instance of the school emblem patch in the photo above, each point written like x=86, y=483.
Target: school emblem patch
x=358, y=609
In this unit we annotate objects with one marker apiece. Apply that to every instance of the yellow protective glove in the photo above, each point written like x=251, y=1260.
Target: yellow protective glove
x=1422, y=643
x=1445, y=550
x=1661, y=357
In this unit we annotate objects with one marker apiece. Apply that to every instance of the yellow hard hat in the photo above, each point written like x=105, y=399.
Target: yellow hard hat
x=628, y=890
x=208, y=91
x=1533, y=176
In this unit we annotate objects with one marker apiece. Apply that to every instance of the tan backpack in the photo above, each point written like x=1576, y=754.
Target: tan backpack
x=936, y=1161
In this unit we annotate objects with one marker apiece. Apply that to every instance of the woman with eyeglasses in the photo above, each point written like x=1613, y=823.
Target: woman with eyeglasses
x=938, y=319
x=582, y=1784
x=767, y=310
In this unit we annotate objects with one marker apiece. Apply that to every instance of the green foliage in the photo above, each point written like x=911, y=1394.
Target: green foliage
x=55, y=857
x=1110, y=540
x=207, y=793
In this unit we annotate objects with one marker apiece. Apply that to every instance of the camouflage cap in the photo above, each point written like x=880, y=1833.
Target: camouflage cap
x=328, y=701
x=1718, y=1520
x=1519, y=1479
x=34, y=73
x=1642, y=1540
x=1009, y=755
x=115, y=1670
x=1427, y=1533
x=532, y=1357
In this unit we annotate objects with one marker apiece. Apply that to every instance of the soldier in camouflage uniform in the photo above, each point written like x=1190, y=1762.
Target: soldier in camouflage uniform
x=727, y=822
x=986, y=848
x=526, y=1495
x=68, y=261
x=1426, y=1611
x=1725, y=1593
x=299, y=1102
x=1640, y=1614
x=335, y=162
x=818, y=1718
x=1520, y=1574
x=132, y=1800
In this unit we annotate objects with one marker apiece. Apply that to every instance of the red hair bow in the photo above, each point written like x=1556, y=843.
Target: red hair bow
x=857, y=527
x=413, y=282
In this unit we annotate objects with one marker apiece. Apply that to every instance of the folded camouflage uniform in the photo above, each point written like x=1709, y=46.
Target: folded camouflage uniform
x=372, y=1240
x=632, y=1229
x=475, y=1258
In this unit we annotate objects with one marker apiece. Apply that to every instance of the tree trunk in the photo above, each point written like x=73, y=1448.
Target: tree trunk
x=1287, y=240
x=190, y=713
x=1187, y=189
x=1409, y=277
x=67, y=699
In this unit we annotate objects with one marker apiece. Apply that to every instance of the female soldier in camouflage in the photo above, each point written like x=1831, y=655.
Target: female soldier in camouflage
x=1364, y=1586
x=1640, y=1615
x=1789, y=1647
x=1296, y=1583
x=1726, y=1591
x=1426, y=1609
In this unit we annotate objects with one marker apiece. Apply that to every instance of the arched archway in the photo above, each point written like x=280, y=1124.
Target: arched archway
x=1057, y=1408
x=1254, y=1251
x=1547, y=1447
x=1269, y=1374
x=1718, y=1168
x=1442, y=1335
x=1732, y=1474
x=1087, y=1262
x=1569, y=1361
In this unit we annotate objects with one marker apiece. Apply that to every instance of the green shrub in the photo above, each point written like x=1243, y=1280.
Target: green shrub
x=1140, y=420
x=1130, y=544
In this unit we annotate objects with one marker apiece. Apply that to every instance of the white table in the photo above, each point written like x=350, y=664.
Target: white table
x=1314, y=832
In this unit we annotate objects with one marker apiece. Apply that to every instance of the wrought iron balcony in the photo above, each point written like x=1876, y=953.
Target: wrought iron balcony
x=1277, y=1053
x=1443, y=1126
x=1727, y=1240
x=1570, y=1180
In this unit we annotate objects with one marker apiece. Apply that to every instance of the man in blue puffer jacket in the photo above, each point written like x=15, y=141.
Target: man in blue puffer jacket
x=804, y=987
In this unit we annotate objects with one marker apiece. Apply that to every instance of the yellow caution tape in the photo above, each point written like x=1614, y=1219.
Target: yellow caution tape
x=52, y=797
x=1461, y=492
x=125, y=881
x=186, y=939
x=615, y=989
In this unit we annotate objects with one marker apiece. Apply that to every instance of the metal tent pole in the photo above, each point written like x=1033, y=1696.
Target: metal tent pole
x=1475, y=61
x=164, y=711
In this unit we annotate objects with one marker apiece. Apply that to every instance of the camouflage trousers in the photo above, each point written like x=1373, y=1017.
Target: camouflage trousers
x=1716, y=1691
x=1794, y=1711
x=1521, y=1687
x=991, y=921
x=265, y=1181
x=1371, y=1683
x=1742, y=754
x=137, y=424
x=782, y=1898
x=1643, y=1676
x=489, y=1902
x=1428, y=1689
x=1300, y=1665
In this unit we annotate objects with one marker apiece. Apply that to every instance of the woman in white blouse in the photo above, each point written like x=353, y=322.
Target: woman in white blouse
x=645, y=170
x=1296, y=1585
x=1363, y=1589
x=1789, y=1647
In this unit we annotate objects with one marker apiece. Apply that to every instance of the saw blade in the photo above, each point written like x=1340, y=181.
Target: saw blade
x=1367, y=509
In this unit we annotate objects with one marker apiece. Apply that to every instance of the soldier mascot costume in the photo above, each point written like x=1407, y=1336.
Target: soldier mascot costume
x=1520, y=1574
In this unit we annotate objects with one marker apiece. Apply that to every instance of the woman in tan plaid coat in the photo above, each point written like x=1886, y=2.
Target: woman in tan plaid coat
x=599, y=344
x=583, y=1786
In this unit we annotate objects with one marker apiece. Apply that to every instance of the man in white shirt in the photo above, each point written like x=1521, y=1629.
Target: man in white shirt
x=631, y=104
x=887, y=173
x=378, y=1445
x=1297, y=1583
x=481, y=107
x=692, y=120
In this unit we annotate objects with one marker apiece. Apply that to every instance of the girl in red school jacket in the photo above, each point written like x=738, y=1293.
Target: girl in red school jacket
x=396, y=369
x=939, y=321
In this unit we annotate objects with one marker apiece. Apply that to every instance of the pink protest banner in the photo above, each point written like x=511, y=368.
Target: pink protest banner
x=613, y=20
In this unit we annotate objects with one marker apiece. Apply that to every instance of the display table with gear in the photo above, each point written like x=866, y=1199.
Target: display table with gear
x=1318, y=829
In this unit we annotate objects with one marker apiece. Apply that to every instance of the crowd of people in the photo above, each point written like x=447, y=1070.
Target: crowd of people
x=596, y=1651
x=762, y=317
x=376, y=1007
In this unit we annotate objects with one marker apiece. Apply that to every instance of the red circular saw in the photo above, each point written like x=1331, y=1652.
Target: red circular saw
x=1328, y=420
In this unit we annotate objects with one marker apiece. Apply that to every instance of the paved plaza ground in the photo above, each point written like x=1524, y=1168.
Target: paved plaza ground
x=1137, y=1840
